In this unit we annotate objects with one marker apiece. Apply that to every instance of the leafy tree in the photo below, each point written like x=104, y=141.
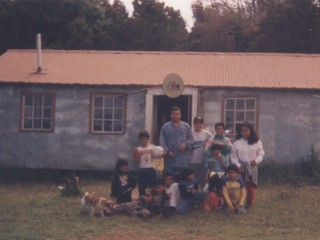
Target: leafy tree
x=67, y=24
x=289, y=26
x=216, y=27
x=156, y=27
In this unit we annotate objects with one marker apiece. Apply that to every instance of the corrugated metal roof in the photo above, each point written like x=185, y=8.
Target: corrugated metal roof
x=252, y=70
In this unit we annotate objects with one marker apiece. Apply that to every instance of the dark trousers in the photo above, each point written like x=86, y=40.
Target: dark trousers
x=147, y=178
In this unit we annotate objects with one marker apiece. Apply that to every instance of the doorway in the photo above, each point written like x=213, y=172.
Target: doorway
x=162, y=107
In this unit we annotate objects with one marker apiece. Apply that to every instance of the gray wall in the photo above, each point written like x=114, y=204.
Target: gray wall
x=289, y=120
x=289, y=123
x=70, y=146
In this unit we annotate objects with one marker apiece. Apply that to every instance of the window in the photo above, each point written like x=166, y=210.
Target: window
x=238, y=110
x=108, y=113
x=37, y=112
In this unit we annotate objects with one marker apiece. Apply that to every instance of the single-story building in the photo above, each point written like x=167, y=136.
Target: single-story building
x=83, y=110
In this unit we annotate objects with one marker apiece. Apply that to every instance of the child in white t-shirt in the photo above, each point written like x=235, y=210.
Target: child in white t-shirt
x=143, y=155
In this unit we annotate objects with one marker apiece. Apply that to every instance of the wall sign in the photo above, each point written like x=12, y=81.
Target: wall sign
x=173, y=85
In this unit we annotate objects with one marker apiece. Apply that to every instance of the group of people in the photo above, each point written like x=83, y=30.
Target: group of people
x=201, y=169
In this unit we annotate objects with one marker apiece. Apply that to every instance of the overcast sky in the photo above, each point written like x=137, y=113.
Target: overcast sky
x=183, y=5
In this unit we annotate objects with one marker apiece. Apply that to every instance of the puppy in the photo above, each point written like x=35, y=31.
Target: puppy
x=97, y=205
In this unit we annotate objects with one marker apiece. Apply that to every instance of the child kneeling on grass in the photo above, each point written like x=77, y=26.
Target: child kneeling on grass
x=233, y=191
x=217, y=164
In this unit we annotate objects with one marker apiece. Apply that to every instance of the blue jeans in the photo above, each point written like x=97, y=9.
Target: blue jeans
x=186, y=203
x=147, y=178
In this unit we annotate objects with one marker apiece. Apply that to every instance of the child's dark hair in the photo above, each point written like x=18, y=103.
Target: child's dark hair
x=159, y=182
x=167, y=174
x=120, y=163
x=214, y=147
x=253, y=137
x=221, y=124
x=175, y=108
x=186, y=173
x=144, y=134
x=233, y=167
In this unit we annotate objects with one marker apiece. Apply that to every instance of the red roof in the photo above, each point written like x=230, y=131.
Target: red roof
x=252, y=70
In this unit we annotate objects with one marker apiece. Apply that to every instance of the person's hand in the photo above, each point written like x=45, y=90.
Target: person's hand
x=171, y=154
x=253, y=163
x=219, y=143
x=136, y=154
x=147, y=198
x=182, y=147
x=164, y=153
x=231, y=208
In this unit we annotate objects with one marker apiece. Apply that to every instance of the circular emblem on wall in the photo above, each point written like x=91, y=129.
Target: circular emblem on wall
x=173, y=85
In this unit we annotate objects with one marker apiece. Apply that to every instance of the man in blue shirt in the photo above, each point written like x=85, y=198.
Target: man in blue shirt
x=176, y=138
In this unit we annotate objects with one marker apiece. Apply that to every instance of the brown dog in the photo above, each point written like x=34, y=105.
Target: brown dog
x=97, y=205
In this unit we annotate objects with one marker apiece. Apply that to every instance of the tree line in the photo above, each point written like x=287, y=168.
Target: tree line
x=220, y=25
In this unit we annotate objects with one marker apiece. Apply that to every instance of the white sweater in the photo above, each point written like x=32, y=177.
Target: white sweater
x=242, y=151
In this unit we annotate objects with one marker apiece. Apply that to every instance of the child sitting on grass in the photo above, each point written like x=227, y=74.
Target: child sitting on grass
x=190, y=194
x=172, y=189
x=123, y=183
x=149, y=205
x=233, y=190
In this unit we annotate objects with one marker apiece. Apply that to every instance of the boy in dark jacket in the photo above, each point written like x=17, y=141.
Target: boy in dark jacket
x=190, y=195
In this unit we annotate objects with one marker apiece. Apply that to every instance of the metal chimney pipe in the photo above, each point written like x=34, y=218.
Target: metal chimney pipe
x=39, y=55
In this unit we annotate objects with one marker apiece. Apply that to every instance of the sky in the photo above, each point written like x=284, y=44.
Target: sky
x=183, y=5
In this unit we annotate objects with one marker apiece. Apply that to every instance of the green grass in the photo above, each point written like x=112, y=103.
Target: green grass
x=37, y=211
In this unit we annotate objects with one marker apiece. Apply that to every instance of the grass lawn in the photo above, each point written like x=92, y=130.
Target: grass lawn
x=37, y=211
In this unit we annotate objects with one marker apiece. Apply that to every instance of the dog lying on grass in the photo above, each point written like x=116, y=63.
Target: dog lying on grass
x=97, y=205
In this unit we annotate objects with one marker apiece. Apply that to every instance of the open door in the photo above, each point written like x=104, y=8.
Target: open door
x=162, y=107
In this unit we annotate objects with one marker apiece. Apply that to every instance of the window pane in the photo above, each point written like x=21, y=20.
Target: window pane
x=250, y=116
x=230, y=104
x=98, y=101
x=28, y=112
x=98, y=114
x=108, y=126
x=97, y=125
x=111, y=114
x=118, y=126
x=108, y=102
x=240, y=116
x=47, y=124
x=28, y=100
x=238, y=126
x=118, y=103
x=229, y=116
x=27, y=123
x=47, y=113
x=251, y=104
x=108, y=114
x=117, y=114
x=38, y=100
x=47, y=101
x=37, y=123
x=240, y=104
x=38, y=112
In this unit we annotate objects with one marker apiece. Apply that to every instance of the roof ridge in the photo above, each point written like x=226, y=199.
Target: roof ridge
x=169, y=52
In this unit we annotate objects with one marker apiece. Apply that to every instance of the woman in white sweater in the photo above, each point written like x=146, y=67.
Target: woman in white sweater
x=247, y=152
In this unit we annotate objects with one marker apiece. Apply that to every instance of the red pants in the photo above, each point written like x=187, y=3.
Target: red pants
x=212, y=202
